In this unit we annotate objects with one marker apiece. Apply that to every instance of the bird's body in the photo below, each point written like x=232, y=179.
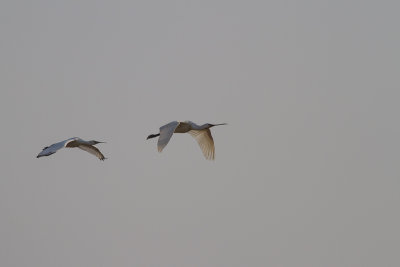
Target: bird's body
x=201, y=133
x=88, y=146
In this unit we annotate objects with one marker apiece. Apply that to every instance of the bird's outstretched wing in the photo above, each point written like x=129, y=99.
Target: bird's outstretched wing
x=92, y=150
x=205, y=141
x=166, y=133
x=48, y=150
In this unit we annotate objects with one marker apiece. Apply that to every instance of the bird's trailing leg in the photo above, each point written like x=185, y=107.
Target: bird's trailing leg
x=212, y=125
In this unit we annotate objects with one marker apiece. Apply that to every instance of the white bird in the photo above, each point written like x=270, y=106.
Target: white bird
x=88, y=146
x=201, y=133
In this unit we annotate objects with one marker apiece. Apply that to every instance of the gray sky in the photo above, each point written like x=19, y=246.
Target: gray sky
x=306, y=172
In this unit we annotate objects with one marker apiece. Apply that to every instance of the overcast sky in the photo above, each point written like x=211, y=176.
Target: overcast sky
x=306, y=171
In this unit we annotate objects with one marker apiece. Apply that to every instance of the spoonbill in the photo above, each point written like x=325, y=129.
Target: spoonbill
x=201, y=133
x=88, y=146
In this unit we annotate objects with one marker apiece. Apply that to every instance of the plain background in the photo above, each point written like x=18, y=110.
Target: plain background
x=306, y=171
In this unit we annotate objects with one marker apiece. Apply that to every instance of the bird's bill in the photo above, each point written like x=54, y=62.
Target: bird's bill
x=45, y=154
x=42, y=153
x=219, y=124
x=152, y=136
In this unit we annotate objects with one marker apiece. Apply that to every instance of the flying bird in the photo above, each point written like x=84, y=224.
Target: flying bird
x=201, y=133
x=88, y=146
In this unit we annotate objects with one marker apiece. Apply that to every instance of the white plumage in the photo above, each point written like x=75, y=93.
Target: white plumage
x=88, y=146
x=201, y=133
